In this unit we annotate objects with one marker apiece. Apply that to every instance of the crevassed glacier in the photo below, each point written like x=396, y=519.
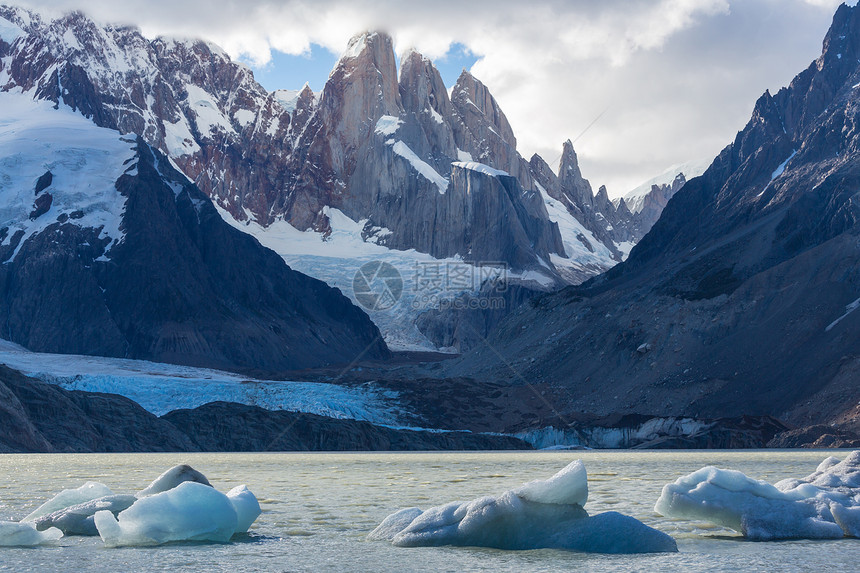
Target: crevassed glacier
x=539, y=514
x=823, y=505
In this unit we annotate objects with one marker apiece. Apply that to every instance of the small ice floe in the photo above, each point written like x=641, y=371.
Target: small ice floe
x=179, y=505
x=540, y=514
x=823, y=505
x=17, y=534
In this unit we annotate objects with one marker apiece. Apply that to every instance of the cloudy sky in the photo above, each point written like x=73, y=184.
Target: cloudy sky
x=667, y=81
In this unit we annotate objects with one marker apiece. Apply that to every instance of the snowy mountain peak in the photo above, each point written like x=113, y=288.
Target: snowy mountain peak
x=326, y=153
x=76, y=164
x=9, y=31
x=474, y=97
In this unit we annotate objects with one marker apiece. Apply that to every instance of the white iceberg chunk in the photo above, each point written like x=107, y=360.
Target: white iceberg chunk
x=569, y=486
x=172, y=478
x=69, y=497
x=17, y=534
x=189, y=512
x=246, y=506
x=824, y=505
x=78, y=519
x=539, y=514
x=394, y=524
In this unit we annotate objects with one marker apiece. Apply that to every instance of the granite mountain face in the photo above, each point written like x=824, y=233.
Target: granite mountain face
x=741, y=298
x=393, y=151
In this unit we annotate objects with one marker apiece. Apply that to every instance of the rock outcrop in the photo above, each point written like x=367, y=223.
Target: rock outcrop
x=40, y=417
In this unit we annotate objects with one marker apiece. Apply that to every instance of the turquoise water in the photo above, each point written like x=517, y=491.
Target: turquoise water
x=318, y=508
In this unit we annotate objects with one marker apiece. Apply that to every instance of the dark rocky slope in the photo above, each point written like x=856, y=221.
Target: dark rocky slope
x=40, y=417
x=182, y=287
x=222, y=426
x=740, y=300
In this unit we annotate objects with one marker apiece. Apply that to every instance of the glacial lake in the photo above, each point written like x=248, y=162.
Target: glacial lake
x=319, y=507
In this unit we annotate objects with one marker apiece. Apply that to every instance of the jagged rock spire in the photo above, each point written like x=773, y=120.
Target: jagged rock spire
x=571, y=179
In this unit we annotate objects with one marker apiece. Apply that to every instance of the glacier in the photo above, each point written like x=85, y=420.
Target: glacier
x=823, y=505
x=542, y=514
x=85, y=161
x=161, y=388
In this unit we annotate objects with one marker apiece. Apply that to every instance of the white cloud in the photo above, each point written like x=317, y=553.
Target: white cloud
x=677, y=77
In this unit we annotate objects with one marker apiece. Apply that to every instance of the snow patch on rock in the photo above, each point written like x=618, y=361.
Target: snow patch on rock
x=420, y=166
x=480, y=168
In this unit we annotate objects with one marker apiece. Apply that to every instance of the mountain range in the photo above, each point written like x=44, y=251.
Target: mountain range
x=157, y=203
x=408, y=164
x=741, y=298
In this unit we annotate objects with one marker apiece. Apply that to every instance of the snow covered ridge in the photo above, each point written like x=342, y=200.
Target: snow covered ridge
x=634, y=198
x=823, y=505
x=161, y=388
x=537, y=515
x=480, y=168
x=84, y=161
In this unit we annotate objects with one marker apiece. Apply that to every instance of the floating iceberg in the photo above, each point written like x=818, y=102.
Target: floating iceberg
x=246, y=506
x=189, y=512
x=179, y=505
x=17, y=534
x=172, y=478
x=540, y=514
x=72, y=511
x=823, y=505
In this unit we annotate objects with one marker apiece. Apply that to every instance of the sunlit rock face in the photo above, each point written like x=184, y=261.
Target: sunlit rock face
x=376, y=146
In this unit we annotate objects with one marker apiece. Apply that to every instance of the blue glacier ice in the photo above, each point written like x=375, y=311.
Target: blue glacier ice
x=823, y=505
x=539, y=514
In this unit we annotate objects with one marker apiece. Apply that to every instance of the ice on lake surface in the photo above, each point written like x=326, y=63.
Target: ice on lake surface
x=319, y=507
x=822, y=505
x=179, y=505
x=541, y=514
x=189, y=512
x=17, y=534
